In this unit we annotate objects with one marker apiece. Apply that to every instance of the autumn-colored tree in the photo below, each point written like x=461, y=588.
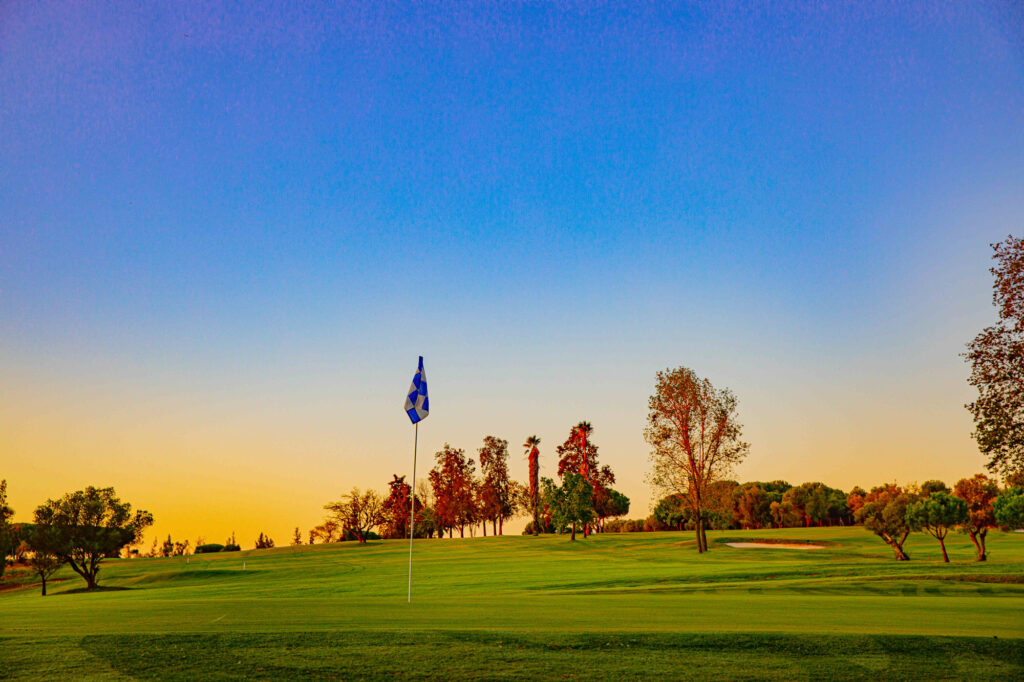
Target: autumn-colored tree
x=608, y=503
x=264, y=542
x=397, y=508
x=497, y=503
x=884, y=513
x=327, y=532
x=855, y=499
x=358, y=513
x=453, y=488
x=296, y=537
x=935, y=515
x=996, y=356
x=695, y=439
x=979, y=492
x=753, y=505
x=533, y=459
x=579, y=454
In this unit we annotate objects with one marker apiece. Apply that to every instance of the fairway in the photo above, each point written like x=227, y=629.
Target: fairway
x=640, y=604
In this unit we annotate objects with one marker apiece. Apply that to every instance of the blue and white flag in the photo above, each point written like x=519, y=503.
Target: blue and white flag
x=416, y=404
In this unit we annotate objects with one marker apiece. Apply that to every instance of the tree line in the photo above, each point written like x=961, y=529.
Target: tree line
x=455, y=497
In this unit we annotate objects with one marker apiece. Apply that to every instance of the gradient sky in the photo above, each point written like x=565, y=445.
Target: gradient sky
x=226, y=234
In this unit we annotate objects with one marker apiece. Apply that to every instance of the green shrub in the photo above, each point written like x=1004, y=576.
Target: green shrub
x=209, y=548
x=231, y=548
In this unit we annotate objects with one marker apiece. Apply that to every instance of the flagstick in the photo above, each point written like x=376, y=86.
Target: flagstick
x=412, y=511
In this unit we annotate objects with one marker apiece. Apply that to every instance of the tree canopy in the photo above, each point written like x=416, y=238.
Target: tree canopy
x=89, y=525
x=996, y=356
x=694, y=433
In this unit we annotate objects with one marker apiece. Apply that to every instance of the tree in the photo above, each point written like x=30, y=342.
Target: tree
x=358, y=512
x=167, y=549
x=694, y=434
x=579, y=453
x=996, y=356
x=396, y=508
x=979, y=492
x=935, y=515
x=753, y=505
x=855, y=499
x=572, y=503
x=44, y=542
x=609, y=503
x=673, y=511
x=90, y=525
x=1009, y=508
x=884, y=513
x=296, y=537
x=533, y=458
x=452, y=483
x=264, y=542
x=327, y=532
x=933, y=486
x=7, y=543
x=496, y=485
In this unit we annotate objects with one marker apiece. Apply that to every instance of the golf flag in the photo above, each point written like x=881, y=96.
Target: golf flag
x=417, y=406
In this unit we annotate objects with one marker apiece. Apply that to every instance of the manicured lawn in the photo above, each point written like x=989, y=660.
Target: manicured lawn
x=611, y=606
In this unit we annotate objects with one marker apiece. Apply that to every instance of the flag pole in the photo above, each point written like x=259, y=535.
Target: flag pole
x=412, y=511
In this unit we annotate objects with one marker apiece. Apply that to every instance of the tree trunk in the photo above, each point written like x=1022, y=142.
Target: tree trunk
x=484, y=526
x=501, y=526
x=704, y=535
x=942, y=544
x=449, y=533
x=699, y=528
x=462, y=531
x=573, y=538
x=43, y=576
x=979, y=546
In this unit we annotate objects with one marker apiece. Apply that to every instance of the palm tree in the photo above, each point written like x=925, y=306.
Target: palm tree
x=533, y=455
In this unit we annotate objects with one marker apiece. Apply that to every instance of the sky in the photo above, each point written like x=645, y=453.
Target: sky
x=227, y=233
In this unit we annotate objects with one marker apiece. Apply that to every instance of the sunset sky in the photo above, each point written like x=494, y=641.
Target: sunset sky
x=226, y=236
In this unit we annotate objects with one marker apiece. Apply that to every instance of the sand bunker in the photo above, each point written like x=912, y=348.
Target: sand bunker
x=772, y=545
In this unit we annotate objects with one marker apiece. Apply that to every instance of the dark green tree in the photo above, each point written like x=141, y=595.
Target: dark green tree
x=44, y=541
x=935, y=515
x=7, y=543
x=91, y=525
x=571, y=504
x=1009, y=508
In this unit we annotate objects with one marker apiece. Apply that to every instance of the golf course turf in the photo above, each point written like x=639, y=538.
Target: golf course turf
x=607, y=607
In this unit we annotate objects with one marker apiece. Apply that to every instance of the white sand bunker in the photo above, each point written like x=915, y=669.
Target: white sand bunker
x=772, y=545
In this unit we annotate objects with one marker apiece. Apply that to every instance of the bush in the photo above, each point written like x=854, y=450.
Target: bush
x=369, y=535
x=231, y=548
x=209, y=549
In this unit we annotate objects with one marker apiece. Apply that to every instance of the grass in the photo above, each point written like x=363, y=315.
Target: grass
x=609, y=607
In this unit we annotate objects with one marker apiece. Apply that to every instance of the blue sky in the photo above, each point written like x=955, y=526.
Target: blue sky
x=226, y=234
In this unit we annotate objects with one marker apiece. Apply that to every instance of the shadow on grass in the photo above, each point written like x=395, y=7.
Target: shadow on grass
x=549, y=655
x=86, y=590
